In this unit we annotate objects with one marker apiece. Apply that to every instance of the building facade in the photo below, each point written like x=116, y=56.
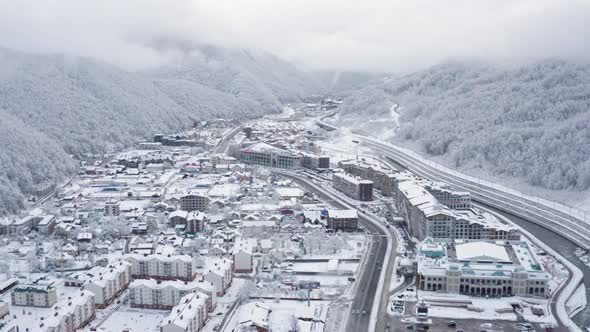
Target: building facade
x=194, y=202
x=267, y=155
x=157, y=294
x=190, y=315
x=34, y=296
x=353, y=187
x=383, y=178
x=72, y=314
x=108, y=282
x=481, y=268
x=219, y=274
x=163, y=267
x=345, y=220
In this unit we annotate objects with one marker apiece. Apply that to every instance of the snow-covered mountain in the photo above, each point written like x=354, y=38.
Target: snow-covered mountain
x=528, y=122
x=52, y=106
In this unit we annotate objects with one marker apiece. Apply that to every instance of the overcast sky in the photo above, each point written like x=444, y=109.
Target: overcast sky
x=385, y=35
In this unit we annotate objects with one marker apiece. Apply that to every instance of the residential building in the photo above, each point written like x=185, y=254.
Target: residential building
x=383, y=177
x=219, y=274
x=490, y=268
x=108, y=282
x=111, y=208
x=264, y=154
x=353, y=187
x=163, y=267
x=157, y=294
x=46, y=225
x=243, y=255
x=71, y=314
x=345, y=220
x=178, y=217
x=194, y=201
x=43, y=296
x=195, y=222
x=456, y=200
x=189, y=315
x=427, y=217
x=314, y=161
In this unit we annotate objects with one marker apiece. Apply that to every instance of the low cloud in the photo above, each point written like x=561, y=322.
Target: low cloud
x=378, y=35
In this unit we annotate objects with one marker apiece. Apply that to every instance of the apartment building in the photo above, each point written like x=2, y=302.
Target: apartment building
x=112, y=208
x=343, y=220
x=314, y=161
x=264, y=154
x=480, y=268
x=163, y=267
x=108, y=282
x=71, y=314
x=195, y=222
x=157, y=294
x=383, y=177
x=189, y=315
x=43, y=296
x=456, y=200
x=194, y=201
x=243, y=255
x=219, y=274
x=353, y=187
x=427, y=217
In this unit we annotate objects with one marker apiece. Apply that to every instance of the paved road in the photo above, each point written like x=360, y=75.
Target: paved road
x=519, y=220
x=220, y=148
x=369, y=278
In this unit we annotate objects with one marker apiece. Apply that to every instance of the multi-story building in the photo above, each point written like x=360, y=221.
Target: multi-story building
x=243, y=255
x=267, y=155
x=194, y=201
x=456, y=200
x=156, y=294
x=427, y=217
x=490, y=268
x=34, y=296
x=195, y=222
x=219, y=273
x=46, y=225
x=71, y=314
x=163, y=267
x=353, y=187
x=383, y=177
x=178, y=217
x=346, y=220
x=111, y=208
x=315, y=161
x=189, y=315
x=108, y=282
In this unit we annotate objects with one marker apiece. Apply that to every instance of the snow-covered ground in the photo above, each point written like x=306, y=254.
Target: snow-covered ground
x=577, y=301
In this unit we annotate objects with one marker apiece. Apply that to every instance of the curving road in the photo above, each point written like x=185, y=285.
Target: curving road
x=368, y=280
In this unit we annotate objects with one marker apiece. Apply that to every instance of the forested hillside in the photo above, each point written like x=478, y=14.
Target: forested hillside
x=54, y=106
x=529, y=121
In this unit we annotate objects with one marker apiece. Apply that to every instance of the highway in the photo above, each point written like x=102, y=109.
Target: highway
x=572, y=228
x=548, y=221
x=502, y=205
x=368, y=281
x=222, y=146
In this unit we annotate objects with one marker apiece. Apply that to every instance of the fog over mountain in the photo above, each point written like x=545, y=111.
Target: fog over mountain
x=527, y=121
x=96, y=76
x=52, y=106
